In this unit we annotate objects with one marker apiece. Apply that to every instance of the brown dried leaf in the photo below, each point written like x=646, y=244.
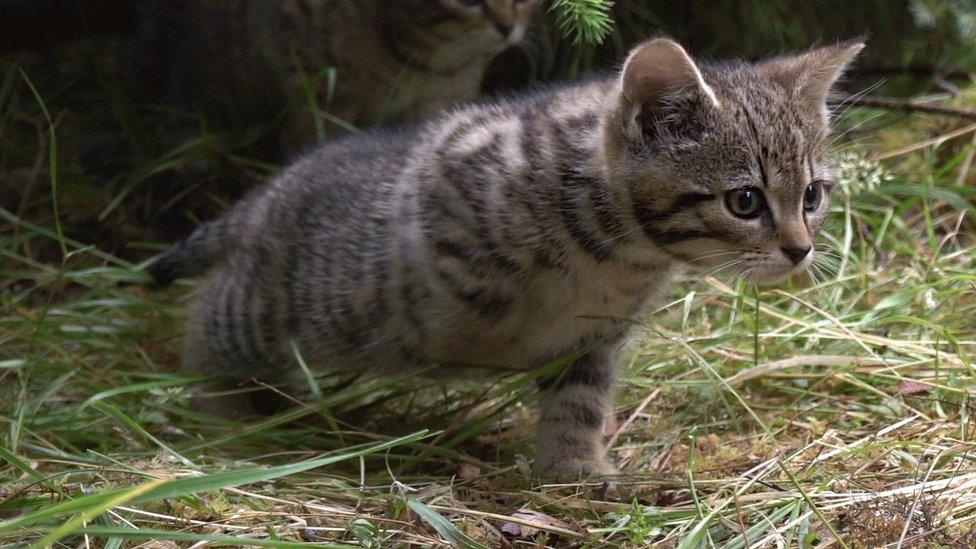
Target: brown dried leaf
x=161, y=544
x=909, y=387
x=514, y=530
x=468, y=470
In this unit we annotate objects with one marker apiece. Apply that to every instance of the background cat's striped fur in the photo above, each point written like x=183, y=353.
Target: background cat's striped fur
x=505, y=235
x=394, y=60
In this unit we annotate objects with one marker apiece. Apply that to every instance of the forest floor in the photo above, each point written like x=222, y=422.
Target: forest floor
x=831, y=411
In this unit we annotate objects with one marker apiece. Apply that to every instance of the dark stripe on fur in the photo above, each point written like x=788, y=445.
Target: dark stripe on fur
x=572, y=191
x=545, y=253
x=269, y=328
x=569, y=209
x=408, y=292
x=648, y=219
x=689, y=200
x=759, y=145
x=463, y=173
x=480, y=299
x=582, y=372
x=252, y=322
x=586, y=416
x=227, y=313
x=608, y=218
x=303, y=225
x=467, y=174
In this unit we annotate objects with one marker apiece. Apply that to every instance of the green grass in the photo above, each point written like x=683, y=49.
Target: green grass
x=745, y=417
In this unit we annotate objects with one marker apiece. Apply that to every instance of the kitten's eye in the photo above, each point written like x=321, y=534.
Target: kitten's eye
x=812, y=196
x=746, y=202
x=469, y=3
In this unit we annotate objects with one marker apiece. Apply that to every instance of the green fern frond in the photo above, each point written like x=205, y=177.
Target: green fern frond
x=585, y=21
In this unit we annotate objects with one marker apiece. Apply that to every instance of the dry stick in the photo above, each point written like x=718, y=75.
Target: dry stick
x=967, y=164
x=808, y=360
x=908, y=106
x=918, y=71
x=630, y=419
x=506, y=518
x=924, y=144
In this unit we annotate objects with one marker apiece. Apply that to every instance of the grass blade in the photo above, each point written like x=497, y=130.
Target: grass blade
x=193, y=485
x=209, y=539
x=443, y=526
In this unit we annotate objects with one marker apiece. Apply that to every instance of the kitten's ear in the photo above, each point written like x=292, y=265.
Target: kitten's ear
x=655, y=69
x=810, y=75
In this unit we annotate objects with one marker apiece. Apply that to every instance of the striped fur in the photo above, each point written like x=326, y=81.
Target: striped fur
x=506, y=235
x=393, y=60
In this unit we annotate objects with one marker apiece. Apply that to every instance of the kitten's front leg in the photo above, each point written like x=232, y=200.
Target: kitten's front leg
x=569, y=443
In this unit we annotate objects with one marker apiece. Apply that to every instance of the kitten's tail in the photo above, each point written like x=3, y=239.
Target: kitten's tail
x=201, y=251
x=211, y=243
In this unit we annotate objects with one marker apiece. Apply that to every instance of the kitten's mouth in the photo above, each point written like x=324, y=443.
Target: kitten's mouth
x=754, y=267
x=775, y=273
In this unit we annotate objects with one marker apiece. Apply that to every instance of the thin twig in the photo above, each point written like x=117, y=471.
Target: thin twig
x=919, y=71
x=923, y=144
x=905, y=105
x=630, y=419
x=967, y=164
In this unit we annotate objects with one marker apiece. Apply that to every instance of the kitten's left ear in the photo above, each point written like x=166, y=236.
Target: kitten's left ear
x=656, y=71
x=810, y=75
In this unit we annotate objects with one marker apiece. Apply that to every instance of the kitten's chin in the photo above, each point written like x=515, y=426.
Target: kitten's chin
x=770, y=276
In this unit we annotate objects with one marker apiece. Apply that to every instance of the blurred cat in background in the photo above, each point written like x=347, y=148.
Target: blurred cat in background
x=345, y=62
x=210, y=79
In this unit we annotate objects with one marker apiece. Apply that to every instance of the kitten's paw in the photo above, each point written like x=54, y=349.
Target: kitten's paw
x=576, y=469
x=232, y=407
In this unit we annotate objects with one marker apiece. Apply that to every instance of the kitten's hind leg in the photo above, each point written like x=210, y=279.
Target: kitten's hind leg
x=569, y=443
x=232, y=339
x=237, y=401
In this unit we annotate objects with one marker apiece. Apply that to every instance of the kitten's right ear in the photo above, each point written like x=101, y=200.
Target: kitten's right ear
x=809, y=76
x=654, y=70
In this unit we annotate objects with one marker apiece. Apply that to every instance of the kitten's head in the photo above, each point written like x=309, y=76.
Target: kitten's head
x=450, y=35
x=499, y=22
x=727, y=165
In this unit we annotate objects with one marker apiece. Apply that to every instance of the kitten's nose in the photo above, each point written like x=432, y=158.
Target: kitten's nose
x=796, y=253
x=504, y=15
x=504, y=28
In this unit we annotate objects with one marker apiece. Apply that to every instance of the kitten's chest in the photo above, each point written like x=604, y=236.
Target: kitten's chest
x=564, y=312
x=557, y=315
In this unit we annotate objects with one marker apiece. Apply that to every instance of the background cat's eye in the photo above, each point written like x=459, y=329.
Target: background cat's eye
x=812, y=196
x=747, y=202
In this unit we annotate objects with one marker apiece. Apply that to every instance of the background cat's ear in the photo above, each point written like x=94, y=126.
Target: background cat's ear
x=810, y=75
x=654, y=70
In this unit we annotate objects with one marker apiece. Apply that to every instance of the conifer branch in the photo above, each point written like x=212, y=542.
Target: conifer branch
x=585, y=21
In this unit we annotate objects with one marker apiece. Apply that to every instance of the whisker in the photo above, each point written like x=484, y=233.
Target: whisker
x=841, y=110
x=834, y=139
x=713, y=255
x=714, y=271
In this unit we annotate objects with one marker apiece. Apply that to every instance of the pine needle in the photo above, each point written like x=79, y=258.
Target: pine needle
x=584, y=21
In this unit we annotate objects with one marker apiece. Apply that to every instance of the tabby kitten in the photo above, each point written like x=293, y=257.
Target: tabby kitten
x=394, y=60
x=505, y=235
